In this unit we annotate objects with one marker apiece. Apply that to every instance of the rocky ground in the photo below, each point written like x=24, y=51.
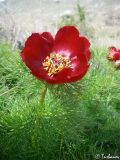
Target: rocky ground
x=26, y=16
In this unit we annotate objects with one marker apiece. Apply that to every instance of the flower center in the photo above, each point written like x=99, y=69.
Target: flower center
x=56, y=63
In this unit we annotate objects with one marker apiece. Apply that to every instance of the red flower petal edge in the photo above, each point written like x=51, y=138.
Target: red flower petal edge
x=113, y=54
x=61, y=60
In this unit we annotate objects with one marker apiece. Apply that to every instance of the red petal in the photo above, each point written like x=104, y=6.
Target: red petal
x=35, y=50
x=117, y=56
x=79, y=76
x=80, y=67
x=88, y=55
x=48, y=37
x=59, y=78
x=66, y=40
x=113, y=54
x=84, y=45
x=69, y=43
x=112, y=48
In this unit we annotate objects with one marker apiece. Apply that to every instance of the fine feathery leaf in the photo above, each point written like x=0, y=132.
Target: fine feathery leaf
x=79, y=120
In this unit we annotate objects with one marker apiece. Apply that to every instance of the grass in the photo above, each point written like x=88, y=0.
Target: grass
x=78, y=121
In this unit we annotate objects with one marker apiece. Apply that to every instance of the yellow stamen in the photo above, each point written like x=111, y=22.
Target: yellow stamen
x=56, y=63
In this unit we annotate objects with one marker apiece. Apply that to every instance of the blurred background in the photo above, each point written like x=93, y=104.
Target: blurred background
x=97, y=19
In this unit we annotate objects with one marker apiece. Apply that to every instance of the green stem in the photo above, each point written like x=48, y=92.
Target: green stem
x=41, y=109
x=42, y=97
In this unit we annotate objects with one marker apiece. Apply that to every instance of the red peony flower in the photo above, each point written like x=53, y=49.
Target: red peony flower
x=113, y=54
x=60, y=60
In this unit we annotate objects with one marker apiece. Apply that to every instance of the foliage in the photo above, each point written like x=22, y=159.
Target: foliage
x=77, y=121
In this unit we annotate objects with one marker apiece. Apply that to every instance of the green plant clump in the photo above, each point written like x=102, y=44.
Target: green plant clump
x=76, y=122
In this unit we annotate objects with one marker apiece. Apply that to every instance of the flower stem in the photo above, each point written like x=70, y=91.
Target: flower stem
x=42, y=97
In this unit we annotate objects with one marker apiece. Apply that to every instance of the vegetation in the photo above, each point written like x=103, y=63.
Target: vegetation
x=76, y=121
